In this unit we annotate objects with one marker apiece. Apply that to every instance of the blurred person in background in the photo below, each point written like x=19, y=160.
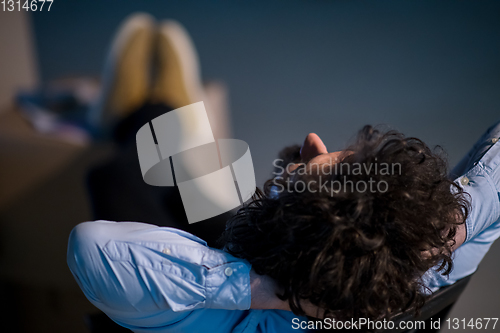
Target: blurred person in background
x=323, y=252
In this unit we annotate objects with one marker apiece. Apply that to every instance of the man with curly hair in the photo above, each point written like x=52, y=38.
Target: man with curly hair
x=351, y=233
x=359, y=233
x=337, y=253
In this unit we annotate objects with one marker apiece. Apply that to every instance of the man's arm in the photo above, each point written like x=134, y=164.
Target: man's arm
x=144, y=275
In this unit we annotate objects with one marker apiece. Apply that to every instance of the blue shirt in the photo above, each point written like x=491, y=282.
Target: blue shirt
x=478, y=173
x=158, y=279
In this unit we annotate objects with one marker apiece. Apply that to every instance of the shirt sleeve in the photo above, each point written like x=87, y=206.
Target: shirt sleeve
x=481, y=181
x=479, y=176
x=135, y=271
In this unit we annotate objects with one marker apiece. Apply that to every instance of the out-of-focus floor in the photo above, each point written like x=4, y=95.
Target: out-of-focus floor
x=45, y=178
x=430, y=69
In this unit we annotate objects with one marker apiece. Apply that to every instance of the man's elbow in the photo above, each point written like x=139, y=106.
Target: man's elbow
x=84, y=246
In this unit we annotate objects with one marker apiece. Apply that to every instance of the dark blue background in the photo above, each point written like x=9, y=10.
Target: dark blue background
x=428, y=68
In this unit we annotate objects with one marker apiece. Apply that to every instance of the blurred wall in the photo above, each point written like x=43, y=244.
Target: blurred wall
x=428, y=68
x=18, y=65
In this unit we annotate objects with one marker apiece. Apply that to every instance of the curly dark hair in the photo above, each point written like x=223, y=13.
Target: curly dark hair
x=355, y=254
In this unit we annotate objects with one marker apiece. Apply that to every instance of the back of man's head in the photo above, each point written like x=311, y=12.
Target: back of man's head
x=354, y=237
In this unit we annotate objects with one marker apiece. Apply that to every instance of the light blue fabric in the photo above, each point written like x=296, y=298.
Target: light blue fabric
x=157, y=279
x=478, y=173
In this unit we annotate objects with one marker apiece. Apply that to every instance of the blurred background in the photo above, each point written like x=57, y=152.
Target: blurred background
x=282, y=69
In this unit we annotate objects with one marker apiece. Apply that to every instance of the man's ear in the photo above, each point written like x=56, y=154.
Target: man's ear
x=312, y=147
